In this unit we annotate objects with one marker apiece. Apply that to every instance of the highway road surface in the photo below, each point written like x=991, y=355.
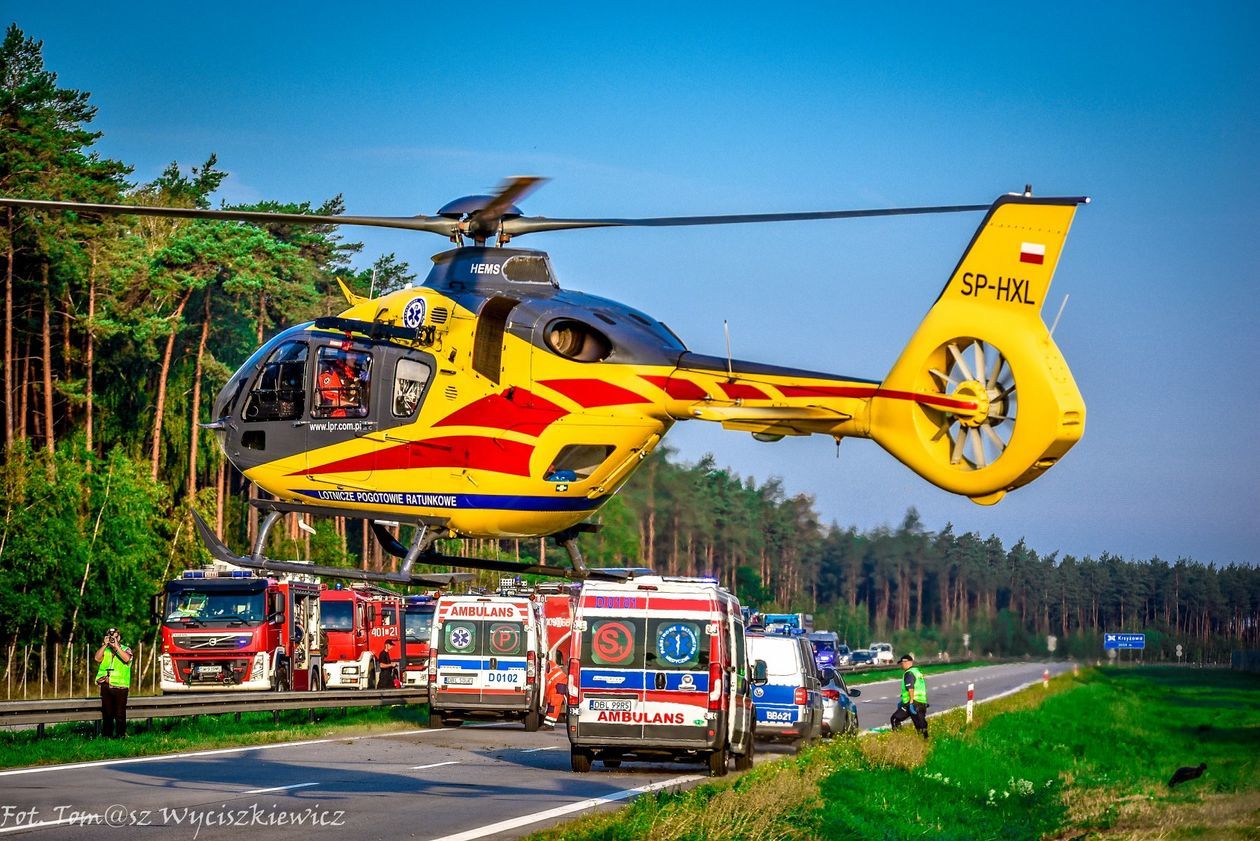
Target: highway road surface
x=476, y=781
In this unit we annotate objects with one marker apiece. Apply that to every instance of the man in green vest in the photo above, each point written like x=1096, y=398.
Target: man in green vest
x=113, y=676
x=914, y=698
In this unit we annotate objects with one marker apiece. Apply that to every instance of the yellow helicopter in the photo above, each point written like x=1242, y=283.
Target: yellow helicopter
x=490, y=402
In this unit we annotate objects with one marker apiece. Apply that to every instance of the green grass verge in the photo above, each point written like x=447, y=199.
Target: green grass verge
x=77, y=742
x=892, y=672
x=1090, y=757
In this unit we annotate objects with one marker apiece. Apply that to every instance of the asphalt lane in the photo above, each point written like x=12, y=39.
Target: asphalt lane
x=493, y=781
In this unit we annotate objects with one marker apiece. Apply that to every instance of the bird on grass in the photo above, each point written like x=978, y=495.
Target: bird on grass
x=1187, y=773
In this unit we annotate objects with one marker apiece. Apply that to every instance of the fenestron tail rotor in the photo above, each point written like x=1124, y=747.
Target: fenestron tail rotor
x=977, y=373
x=999, y=406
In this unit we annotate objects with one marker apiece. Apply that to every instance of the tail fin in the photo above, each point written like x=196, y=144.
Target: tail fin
x=1008, y=408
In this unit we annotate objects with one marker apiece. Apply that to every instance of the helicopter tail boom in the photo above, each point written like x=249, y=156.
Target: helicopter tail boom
x=1009, y=408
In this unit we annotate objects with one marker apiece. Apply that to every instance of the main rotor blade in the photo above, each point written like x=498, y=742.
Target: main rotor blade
x=534, y=224
x=485, y=222
x=432, y=224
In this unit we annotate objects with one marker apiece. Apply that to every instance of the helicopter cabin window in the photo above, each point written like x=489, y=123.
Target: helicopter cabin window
x=576, y=462
x=488, y=340
x=279, y=393
x=528, y=268
x=410, y=378
x=342, y=383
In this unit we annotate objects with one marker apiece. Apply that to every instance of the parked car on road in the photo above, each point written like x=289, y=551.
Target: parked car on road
x=840, y=715
x=861, y=657
x=882, y=651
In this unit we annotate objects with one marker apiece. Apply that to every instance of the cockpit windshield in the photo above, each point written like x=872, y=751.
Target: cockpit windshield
x=218, y=607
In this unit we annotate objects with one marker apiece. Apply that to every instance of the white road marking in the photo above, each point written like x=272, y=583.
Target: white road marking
x=526, y=820
x=536, y=750
x=165, y=756
x=434, y=765
x=81, y=820
x=278, y=788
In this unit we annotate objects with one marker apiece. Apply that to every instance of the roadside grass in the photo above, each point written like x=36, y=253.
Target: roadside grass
x=1090, y=757
x=876, y=675
x=77, y=741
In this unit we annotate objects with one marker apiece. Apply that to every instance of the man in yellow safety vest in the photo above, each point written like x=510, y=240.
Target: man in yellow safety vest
x=113, y=676
x=914, y=700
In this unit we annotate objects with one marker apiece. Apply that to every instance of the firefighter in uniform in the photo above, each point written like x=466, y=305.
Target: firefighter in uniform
x=113, y=676
x=554, y=690
x=914, y=699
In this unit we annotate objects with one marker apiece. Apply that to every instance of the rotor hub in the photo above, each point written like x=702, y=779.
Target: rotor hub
x=973, y=391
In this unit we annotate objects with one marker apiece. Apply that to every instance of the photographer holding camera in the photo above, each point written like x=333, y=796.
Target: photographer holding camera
x=113, y=676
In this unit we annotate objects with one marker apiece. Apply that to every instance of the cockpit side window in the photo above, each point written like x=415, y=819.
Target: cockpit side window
x=410, y=378
x=280, y=391
x=576, y=462
x=343, y=381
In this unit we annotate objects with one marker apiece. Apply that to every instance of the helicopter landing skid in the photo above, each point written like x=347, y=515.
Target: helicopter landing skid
x=421, y=550
x=262, y=563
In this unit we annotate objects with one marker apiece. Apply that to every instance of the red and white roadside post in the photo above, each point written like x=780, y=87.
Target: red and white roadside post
x=1045, y=678
x=971, y=701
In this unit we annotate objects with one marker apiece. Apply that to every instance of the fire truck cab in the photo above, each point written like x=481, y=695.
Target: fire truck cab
x=224, y=628
x=355, y=624
x=417, y=633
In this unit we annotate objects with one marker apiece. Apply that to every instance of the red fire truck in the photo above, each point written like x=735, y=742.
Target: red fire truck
x=355, y=624
x=559, y=603
x=224, y=628
x=417, y=634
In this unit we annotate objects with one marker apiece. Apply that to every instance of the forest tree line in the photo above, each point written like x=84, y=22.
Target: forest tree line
x=118, y=331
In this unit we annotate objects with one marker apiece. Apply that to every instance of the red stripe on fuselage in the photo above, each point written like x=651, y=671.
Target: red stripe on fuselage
x=516, y=409
x=743, y=391
x=470, y=451
x=874, y=391
x=677, y=388
x=592, y=394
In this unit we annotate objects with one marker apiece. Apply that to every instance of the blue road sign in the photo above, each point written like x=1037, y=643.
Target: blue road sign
x=1124, y=641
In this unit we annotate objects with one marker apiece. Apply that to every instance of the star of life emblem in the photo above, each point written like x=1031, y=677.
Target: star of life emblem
x=413, y=314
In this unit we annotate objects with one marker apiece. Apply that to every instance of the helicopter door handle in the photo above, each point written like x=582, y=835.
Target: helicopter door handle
x=299, y=423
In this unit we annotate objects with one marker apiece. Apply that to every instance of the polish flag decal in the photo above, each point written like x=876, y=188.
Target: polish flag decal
x=1032, y=252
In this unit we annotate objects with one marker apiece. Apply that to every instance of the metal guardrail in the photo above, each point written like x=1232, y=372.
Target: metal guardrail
x=207, y=703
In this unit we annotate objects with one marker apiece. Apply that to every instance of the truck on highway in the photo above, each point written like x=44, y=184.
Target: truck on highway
x=225, y=628
x=660, y=671
x=355, y=624
x=788, y=623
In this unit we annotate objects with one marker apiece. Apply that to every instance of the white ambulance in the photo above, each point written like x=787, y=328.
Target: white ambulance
x=660, y=671
x=484, y=660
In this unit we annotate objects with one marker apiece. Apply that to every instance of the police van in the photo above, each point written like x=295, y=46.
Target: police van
x=484, y=660
x=790, y=703
x=659, y=670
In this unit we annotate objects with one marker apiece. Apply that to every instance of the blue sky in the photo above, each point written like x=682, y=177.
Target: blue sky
x=661, y=109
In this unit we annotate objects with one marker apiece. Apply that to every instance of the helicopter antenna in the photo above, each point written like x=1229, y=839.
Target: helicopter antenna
x=730, y=365
x=1062, y=306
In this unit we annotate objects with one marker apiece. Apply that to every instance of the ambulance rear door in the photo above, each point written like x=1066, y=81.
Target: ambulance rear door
x=682, y=631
